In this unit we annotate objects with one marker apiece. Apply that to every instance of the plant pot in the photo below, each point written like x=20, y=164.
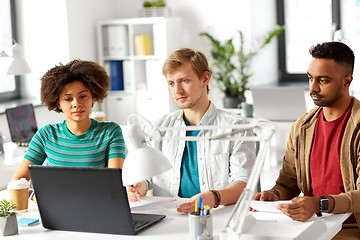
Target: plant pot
x=231, y=102
x=149, y=12
x=8, y=225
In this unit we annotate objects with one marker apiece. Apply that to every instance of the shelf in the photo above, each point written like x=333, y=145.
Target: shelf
x=142, y=88
x=135, y=58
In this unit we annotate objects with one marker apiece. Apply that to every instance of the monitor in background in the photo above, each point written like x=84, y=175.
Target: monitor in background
x=285, y=103
x=22, y=123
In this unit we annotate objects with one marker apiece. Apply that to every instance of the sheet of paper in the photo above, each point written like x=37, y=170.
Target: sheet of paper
x=154, y=203
x=266, y=206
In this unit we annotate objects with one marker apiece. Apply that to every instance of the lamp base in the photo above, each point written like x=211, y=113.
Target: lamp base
x=229, y=234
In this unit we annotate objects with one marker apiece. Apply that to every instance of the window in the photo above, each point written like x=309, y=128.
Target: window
x=307, y=22
x=9, y=85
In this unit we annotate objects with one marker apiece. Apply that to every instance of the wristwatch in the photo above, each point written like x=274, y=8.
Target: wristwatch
x=324, y=205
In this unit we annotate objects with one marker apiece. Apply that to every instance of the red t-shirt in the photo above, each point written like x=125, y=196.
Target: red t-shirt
x=325, y=169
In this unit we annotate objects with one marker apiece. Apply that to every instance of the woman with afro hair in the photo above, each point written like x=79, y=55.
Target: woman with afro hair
x=79, y=140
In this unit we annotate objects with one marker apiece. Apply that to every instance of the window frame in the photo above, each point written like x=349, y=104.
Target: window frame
x=11, y=95
x=286, y=78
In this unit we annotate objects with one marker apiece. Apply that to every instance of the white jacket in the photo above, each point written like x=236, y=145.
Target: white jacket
x=220, y=162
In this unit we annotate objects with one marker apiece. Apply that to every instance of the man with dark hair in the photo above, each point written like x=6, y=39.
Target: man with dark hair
x=217, y=170
x=322, y=153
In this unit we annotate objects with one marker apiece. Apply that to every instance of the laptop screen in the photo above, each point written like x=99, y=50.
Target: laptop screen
x=22, y=123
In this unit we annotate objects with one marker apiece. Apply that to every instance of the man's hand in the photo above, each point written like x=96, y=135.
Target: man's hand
x=140, y=188
x=270, y=195
x=301, y=208
x=189, y=206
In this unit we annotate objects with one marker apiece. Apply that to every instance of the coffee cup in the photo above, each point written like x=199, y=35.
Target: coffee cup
x=19, y=193
x=100, y=116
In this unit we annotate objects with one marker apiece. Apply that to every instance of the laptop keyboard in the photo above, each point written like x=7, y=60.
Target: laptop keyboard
x=139, y=223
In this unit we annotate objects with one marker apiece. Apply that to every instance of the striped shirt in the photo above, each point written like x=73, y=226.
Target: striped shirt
x=54, y=142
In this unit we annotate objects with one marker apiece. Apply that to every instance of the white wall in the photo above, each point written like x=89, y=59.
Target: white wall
x=57, y=31
x=60, y=30
x=42, y=27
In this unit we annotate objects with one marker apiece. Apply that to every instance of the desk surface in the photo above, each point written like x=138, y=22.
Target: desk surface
x=174, y=226
x=9, y=162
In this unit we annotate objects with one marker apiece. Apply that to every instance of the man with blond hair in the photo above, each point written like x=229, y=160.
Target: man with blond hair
x=216, y=170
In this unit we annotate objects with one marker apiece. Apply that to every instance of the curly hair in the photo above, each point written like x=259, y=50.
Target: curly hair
x=94, y=77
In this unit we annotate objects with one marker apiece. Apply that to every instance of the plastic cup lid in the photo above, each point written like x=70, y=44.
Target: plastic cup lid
x=18, y=184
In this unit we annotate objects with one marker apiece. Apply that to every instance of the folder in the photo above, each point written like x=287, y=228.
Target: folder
x=116, y=75
x=142, y=45
x=117, y=41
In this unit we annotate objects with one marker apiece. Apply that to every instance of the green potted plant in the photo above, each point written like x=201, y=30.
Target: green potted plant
x=231, y=68
x=8, y=221
x=159, y=3
x=148, y=4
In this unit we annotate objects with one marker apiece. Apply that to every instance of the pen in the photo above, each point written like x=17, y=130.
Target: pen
x=137, y=194
x=199, y=206
x=196, y=206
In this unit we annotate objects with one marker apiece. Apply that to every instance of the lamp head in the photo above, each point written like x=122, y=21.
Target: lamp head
x=142, y=162
x=18, y=66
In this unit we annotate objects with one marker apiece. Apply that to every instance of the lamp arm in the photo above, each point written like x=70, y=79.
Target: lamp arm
x=238, y=222
x=243, y=126
x=235, y=129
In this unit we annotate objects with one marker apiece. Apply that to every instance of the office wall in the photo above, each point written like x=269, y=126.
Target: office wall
x=57, y=31
x=42, y=27
x=223, y=19
x=60, y=30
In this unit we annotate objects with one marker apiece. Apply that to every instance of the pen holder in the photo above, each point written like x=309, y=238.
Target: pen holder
x=201, y=227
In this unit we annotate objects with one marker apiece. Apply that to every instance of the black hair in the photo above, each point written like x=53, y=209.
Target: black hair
x=337, y=51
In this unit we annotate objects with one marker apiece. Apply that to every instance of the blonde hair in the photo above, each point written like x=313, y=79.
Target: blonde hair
x=197, y=60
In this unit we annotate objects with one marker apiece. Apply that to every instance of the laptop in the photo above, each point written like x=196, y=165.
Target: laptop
x=22, y=123
x=285, y=103
x=86, y=200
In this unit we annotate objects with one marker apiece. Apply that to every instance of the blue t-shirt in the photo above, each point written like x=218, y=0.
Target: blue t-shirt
x=54, y=142
x=189, y=174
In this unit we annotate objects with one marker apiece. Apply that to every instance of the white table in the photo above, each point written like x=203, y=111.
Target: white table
x=174, y=226
x=9, y=161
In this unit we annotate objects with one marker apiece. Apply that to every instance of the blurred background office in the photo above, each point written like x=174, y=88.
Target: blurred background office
x=57, y=31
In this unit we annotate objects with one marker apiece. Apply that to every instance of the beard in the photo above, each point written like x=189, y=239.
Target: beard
x=189, y=104
x=323, y=101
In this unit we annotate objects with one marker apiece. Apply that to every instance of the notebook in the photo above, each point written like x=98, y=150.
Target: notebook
x=86, y=200
x=285, y=103
x=22, y=123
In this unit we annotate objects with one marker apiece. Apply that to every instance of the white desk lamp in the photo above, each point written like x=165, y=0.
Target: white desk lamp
x=18, y=65
x=144, y=162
